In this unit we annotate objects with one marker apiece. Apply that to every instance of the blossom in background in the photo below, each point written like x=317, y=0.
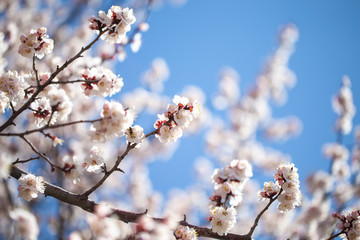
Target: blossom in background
x=117, y=22
x=101, y=82
x=156, y=75
x=94, y=161
x=171, y=124
x=37, y=42
x=115, y=121
x=25, y=223
x=222, y=219
x=185, y=233
x=30, y=186
x=5, y=165
x=344, y=106
x=135, y=134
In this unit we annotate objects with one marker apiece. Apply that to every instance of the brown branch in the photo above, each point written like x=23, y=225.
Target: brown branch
x=36, y=71
x=53, y=166
x=24, y=161
x=124, y=216
x=40, y=88
x=335, y=235
x=262, y=212
x=76, y=81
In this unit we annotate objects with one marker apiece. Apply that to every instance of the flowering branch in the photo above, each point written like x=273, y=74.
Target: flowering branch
x=336, y=235
x=40, y=88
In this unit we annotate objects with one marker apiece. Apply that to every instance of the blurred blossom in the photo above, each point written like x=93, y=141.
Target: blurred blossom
x=228, y=90
x=319, y=181
x=343, y=105
x=283, y=129
x=158, y=73
x=335, y=151
x=25, y=224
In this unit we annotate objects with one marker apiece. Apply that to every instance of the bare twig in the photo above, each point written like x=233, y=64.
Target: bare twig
x=24, y=161
x=36, y=71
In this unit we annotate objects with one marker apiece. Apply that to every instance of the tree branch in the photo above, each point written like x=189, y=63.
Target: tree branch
x=124, y=216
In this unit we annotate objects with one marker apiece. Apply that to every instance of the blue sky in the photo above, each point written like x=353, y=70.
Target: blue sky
x=200, y=38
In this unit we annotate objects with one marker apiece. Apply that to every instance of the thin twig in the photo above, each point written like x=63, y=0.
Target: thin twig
x=336, y=235
x=262, y=212
x=36, y=71
x=50, y=127
x=53, y=166
x=25, y=161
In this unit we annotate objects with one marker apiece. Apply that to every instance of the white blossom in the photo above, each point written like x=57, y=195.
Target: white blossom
x=30, y=186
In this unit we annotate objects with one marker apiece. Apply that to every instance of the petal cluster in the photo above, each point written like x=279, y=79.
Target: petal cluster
x=185, y=233
x=30, y=186
x=115, y=121
x=101, y=82
x=222, y=220
x=117, y=22
x=37, y=42
x=229, y=183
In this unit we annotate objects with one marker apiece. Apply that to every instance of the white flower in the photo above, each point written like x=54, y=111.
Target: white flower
x=37, y=42
x=30, y=186
x=135, y=134
x=26, y=224
x=115, y=121
x=185, y=233
x=94, y=161
x=41, y=112
x=239, y=170
x=222, y=220
x=157, y=74
x=101, y=82
x=118, y=22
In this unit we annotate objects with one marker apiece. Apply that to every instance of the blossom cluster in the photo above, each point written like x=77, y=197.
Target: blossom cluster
x=228, y=186
x=135, y=134
x=117, y=22
x=185, y=233
x=74, y=167
x=172, y=123
x=339, y=155
x=229, y=183
x=349, y=224
x=115, y=121
x=37, y=42
x=12, y=87
x=222, y=219
x=101, y=82
x=52, y=105
x=287, y=182
x=30, y=186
